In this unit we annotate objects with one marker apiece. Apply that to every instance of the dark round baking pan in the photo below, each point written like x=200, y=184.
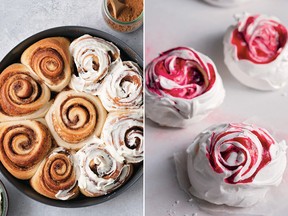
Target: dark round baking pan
x=4, y=200
x=70, y=32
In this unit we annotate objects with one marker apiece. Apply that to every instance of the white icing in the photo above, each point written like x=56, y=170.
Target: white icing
x=56, y=151
x=91, y=182
x=210, y=185
x=180, y=112
x=117, y=92
x=270, y=76
x=86, y=51
x=64, y=194
x=226, y=3
x=114, y=132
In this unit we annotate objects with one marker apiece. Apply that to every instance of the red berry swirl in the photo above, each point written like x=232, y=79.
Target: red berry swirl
x=180, y=72
x=259, y=38
x=239, y=151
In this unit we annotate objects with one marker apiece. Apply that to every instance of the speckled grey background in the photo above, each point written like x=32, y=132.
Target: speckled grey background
x=21, y=19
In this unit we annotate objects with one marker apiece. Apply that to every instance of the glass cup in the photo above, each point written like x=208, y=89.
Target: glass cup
x=118, y=25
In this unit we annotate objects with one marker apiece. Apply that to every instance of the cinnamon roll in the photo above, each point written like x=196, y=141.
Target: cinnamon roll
x=51, y=61
x=22, y=94
x=93, y=57
x=75, y=118
x=122, y=88
x=56, y=177
x=23, y=145
x=99, y=173
x=124, y=132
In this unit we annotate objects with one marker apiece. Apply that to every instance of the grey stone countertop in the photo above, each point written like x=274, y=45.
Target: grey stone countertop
x=21, y=19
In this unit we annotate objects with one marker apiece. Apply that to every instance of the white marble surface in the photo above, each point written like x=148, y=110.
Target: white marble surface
x=171, y=23
x=21, y=19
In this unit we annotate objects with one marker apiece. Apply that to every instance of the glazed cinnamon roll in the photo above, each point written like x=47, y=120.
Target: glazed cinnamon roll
x=56, y=177
x=51, y=61
x=75, y=118
x=123, y=87
x=22, y=94
x=93, y=57
x=23, y=145
x=99, y=173
x=124, y=132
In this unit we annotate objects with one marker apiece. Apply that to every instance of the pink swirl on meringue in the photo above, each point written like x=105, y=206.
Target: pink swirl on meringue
x=259, y=39
x=241, y=150
x=181, y=73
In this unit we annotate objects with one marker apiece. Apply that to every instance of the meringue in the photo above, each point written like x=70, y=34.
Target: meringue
x=226, y=3
x=182, y=87
x=235, y=164
x=256, y=51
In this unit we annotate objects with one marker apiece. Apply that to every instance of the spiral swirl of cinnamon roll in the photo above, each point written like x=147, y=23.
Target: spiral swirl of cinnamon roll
x=124, y=132
x=51, y=61
x=99, y=172
x=23, y=145
x=75, y=118
x=22, y=94
x=56, y=177
x=122, y=88
x=93, y=57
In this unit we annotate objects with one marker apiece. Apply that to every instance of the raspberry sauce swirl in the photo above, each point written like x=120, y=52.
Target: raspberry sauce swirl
x=241, y=150
x=180, y=73
x=259, y=38
x=235, y=164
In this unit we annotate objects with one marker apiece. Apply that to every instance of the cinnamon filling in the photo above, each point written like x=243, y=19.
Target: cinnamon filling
x=132, y=141
x=49, y=63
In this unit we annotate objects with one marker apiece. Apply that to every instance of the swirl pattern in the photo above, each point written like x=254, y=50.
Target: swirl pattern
x=179, y=72
x=124, y=132
x=56, y=177
x=62, y=154
x=23, y=145
x=51, y=61
x=235, y=164
x=93, y=57
x=99, y=172
x=122, y=88
x=182, y=87
x=255, y=51
x=22, y=94
x=259, y=39
x=75, y=118
x=240, y=150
